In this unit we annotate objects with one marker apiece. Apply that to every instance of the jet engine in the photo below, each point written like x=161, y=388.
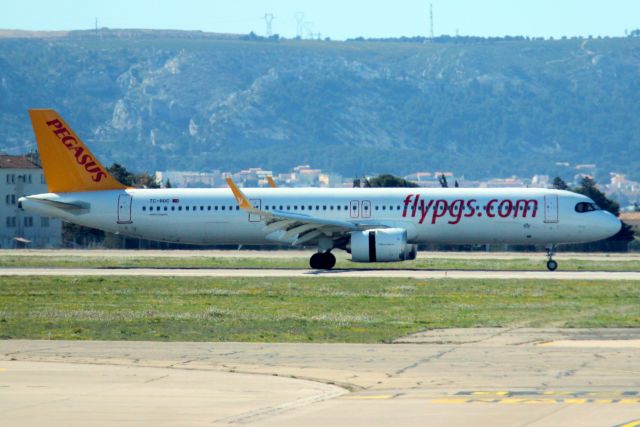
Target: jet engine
x=381, y=245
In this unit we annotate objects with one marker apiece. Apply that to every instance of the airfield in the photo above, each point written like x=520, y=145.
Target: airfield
x=482, y=376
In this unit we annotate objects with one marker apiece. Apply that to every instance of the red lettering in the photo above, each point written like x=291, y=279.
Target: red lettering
x=66, y=141
x=524, y=206
x=415, y=206
x=62, y=131
x=97, y=177
x=437, y=212
x=489, y=206
x=501, y=211
x=425, y=210
x=407, y=200
x=471, y=206
x=56, y=123
x=91, y=167
x=456, y=214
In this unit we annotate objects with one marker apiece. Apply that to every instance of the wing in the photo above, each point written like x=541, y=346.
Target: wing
x=298, y=229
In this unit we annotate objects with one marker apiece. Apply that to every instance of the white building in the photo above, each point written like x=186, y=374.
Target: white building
x=20, y=176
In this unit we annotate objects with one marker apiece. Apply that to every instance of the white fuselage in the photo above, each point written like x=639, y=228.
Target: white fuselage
x=448, y=215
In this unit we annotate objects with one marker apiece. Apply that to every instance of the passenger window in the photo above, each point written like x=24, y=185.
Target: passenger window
x=179, y=208
x=317, y=207
x=144, y=208
x=215, y=208
x=302, y=207
x=324, y=207
x=331, y=207
x=166, y=209
x=173, y=208
x=158, y=208
x=338, y=207
x=224, y=207
x=384, y=207
x=208, y=208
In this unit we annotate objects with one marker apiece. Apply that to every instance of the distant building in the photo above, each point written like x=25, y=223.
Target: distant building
x=20, y=176
x=189, y=179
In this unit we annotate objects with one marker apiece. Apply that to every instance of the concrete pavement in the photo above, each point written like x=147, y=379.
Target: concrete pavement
x=480, y=377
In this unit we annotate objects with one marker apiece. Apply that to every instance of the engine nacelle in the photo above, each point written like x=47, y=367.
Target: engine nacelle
x=381, y=245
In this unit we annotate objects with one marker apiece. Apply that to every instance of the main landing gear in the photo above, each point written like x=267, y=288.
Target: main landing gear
x=552, y=265
x=322, y=261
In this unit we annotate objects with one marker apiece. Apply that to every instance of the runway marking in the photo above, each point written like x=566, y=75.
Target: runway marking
x=537, y=401
x=533, y=397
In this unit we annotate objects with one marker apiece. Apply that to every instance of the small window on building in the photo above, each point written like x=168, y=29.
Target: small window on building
x=44, y=222
x=28, y=221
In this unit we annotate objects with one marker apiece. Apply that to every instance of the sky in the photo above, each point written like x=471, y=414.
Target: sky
x=337, y=19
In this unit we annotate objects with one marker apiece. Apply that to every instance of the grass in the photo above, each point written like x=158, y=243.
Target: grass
x=299, y=310
x=532, y=262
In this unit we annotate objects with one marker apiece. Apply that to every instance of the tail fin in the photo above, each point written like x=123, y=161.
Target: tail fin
x=68, y=164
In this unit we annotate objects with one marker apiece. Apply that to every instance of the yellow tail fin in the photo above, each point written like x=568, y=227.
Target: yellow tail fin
x=68, y=164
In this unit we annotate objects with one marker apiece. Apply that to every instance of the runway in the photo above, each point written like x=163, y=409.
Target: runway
x=480, y=377
x=305, y=273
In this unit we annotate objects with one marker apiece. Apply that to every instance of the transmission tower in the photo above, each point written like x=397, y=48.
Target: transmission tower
x=300, y=24
x=431, y=21
x=268, y=19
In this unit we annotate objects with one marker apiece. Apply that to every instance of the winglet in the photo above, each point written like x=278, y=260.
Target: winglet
x=242, y=200
x=271, y=182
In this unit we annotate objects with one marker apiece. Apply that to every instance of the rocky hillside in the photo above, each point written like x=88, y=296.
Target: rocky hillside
x=173, y=100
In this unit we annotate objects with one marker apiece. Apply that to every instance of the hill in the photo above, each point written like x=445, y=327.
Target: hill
x=155, y=100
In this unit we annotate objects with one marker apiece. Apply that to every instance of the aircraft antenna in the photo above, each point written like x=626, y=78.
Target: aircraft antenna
x=268, y=19
x=299, y=24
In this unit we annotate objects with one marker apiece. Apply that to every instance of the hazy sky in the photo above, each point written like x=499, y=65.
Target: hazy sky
x=338, y=19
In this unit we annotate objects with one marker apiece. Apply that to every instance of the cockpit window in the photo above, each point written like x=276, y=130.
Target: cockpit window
x=586, y=207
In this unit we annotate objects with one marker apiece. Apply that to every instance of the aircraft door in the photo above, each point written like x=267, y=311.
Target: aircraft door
x=256, y=203
x=551, y=208
x=124, y=209
x=354, y=210
x=366, y=209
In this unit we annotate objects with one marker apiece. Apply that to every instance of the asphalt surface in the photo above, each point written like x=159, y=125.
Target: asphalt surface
x=479, y=377
x=305, y=273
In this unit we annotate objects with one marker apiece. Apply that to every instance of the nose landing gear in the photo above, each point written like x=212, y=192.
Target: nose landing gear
x=322, y=261
x=552, y=265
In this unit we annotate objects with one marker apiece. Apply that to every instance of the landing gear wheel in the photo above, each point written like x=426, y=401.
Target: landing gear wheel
x=316, y=261
x=552, y=265
x=322, y=261
x=329, y=260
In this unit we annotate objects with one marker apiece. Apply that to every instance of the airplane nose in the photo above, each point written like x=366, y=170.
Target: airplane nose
x=613, y=225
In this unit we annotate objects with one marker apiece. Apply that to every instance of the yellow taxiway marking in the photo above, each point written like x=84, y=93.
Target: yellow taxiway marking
x=2, y=369
x=538, y=401
x=635, y=423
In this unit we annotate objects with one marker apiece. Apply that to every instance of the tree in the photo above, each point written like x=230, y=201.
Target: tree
x=387, y=180
x=589, y=189
x=559, y=184
x=617, y=242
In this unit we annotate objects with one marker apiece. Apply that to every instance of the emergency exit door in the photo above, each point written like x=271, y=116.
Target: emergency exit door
x=551, y=208
x=124, y=209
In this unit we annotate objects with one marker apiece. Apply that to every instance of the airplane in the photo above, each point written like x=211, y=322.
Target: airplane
x=372, y=224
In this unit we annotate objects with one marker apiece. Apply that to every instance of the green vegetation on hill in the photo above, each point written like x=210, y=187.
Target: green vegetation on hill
x=170, y=100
